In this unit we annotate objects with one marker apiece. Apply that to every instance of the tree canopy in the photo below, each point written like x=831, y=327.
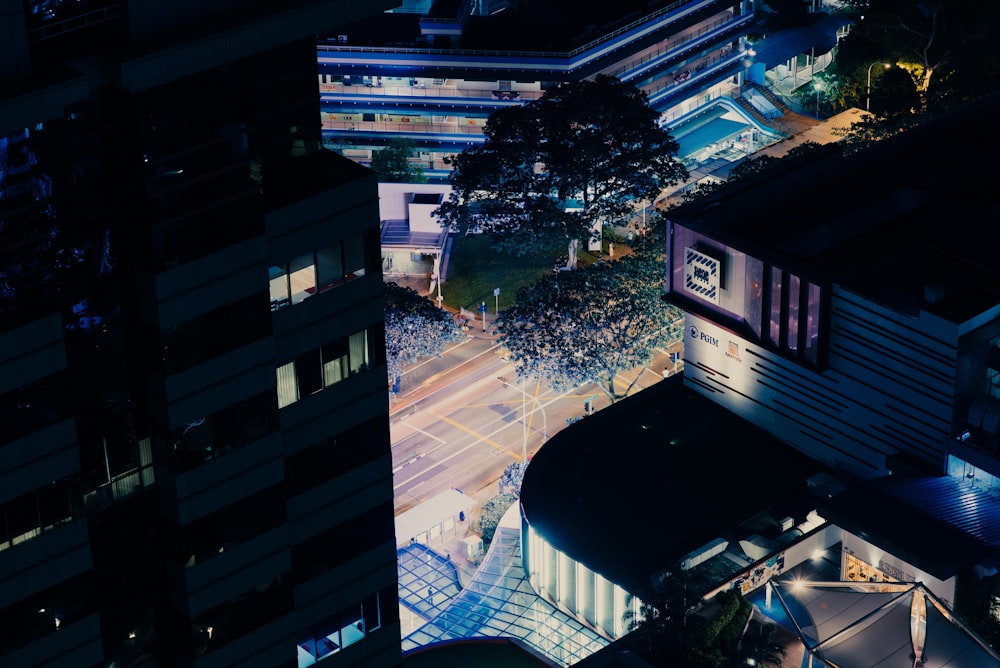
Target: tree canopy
x=552, y=168
x=576, y=327
x=414, y=328
x=393, y=163
x=944, y=47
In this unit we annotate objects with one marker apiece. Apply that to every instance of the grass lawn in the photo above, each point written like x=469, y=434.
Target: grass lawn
x=475, y=270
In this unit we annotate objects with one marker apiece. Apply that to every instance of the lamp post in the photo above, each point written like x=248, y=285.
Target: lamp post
x=868, y=95
x=437, y=273
x=818, y=86
x=524, y=422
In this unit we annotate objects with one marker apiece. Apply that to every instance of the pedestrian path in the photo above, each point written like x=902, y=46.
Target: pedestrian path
x=499, y=602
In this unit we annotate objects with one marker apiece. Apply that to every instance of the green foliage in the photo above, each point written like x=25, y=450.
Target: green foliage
x=576, y=327
x=751, y=166
x=946, y=47
x=594, y=146
x=727, y=625
x=393, y=163
x=870, y=129
x=476, y=268
x=663, y=633
x=758, y=644
x=493, y=511
x=414, y=327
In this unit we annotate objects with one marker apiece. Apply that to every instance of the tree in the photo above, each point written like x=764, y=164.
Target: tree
x=414, y=328
x=493, y=512
x=393, y=163
x=945, y=46
x=560, y=166
x=758, y=643
x=572, y=328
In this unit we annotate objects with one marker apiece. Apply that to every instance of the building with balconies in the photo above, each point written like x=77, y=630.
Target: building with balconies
x=194, y=465
x=435, y=74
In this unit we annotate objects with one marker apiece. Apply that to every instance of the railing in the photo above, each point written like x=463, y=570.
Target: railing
x=607, y=37
x=423, y=91
x=75, y=22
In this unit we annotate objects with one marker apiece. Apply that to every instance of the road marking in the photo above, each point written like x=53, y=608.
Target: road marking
x=420, y=431
x=472, y=432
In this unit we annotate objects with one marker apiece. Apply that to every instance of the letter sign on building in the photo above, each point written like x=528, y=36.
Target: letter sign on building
x=701, y=275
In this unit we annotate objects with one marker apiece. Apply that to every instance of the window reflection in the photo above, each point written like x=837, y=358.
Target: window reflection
x=791, y=341
x=317, y=271
x=774, y=322
x=318, y=369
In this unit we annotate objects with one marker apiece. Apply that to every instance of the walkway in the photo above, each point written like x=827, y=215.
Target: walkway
x=497, y=602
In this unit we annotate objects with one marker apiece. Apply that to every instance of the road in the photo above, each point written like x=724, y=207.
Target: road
x=457, y=421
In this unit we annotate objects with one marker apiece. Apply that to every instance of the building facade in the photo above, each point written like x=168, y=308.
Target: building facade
x=434, y=76
x=860, y=330
x=195, y=467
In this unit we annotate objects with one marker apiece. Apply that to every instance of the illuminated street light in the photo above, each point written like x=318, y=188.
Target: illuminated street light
x=818, y=86
x=868, y=95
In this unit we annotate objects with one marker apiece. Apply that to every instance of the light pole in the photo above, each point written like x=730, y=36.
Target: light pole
x=437, y=272
x=818, y=86
x=524, y=422
x=868, y=95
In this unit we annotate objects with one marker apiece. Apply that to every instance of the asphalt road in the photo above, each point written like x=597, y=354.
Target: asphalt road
x=461, y=418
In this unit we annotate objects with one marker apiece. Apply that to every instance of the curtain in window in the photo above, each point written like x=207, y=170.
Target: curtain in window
x=359, y=351
x=286, y=385
x=146, y=461
x=335, y=367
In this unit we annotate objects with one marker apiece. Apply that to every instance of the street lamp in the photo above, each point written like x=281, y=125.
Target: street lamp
x=818, y=86
x=868, y=95
x=524, y=422
x=437, y=273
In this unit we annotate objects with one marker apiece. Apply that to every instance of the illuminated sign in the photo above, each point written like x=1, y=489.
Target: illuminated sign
x=701, y=275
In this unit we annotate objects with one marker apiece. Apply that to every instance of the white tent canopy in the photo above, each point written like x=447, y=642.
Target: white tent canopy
x=851, y=625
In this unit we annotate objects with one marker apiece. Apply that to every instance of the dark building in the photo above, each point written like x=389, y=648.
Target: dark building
x=194, y=458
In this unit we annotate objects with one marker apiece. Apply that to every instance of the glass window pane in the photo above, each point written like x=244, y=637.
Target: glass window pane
x=309, y=373
x=754, y=294
x=354, y=256
x=279, y=287
x=792, y=335
x=329, y=268
x=286, y=385
x=812, y=323
x=302, y=277
x=359, y=351
x=774, y=327
x=335, y=367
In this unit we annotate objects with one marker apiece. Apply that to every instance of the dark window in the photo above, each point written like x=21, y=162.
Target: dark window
x=345, y=541
x=215, y=333
x=228, y=528
x=223, y=431
x=309, y=373
x=335, y=456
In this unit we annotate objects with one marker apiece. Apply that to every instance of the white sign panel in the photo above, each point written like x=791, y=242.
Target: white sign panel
x=701, y=275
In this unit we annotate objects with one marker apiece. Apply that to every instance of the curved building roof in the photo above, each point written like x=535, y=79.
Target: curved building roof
x=630, y=490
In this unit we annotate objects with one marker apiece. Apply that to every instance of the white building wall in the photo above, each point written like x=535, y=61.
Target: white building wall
x=394, y=199
x=575, y=589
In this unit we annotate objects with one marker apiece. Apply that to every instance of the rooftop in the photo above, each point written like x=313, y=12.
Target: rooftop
x=539, y=25
x=939, y=523
x=901, y=223
x=630, y=490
